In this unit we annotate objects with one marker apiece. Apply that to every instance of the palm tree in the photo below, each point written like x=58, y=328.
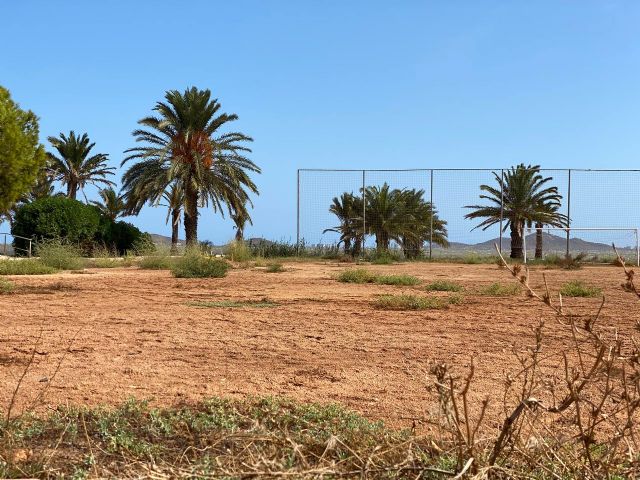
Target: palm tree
x=183, y=144
x=112, y=205
x=386, y=215
x=422, y=217
x=75, y=166
x=348, y=209
x=525, y=198
x=240, y=217
x=174, y=198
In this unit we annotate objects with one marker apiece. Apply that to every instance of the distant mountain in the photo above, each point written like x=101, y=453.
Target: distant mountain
x=163, y=241
x=550, y=243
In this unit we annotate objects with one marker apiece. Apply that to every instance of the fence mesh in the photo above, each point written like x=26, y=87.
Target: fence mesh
x=359, y=208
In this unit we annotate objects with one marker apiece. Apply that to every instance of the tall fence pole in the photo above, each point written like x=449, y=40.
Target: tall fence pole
x=568, y=213
x=501, y=206
x=298, y=216
x=431, y=227
x=5, y=245
x=638, y=247
x=364, y=211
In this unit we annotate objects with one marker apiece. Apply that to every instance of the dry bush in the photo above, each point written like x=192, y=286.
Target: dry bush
x=567, y=414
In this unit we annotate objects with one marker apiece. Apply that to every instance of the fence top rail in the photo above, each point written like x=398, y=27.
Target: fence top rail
x=627, y=170
x=7, y=234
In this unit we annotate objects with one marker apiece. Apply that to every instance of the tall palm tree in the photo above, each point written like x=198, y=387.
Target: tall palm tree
x=386, y=217
x=348, y=209
x=422, y=217
x=112, y=205
x=75, y=166
x=521, y=198
x=183, y=144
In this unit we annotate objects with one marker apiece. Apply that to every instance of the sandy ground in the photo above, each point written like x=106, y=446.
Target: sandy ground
x=136, y=335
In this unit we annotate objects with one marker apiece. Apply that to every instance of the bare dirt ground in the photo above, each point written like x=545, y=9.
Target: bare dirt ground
x=137, y=335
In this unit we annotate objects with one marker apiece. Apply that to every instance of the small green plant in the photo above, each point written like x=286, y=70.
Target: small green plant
x=234, y=304
x=196, y=265
x=400, y=280
x=576, y=288
x=444, y=286
x=238, y=251
x=357, y=275
x=500, y=290
x=60, y=255
x=383, y=258
x=274, y=268
x=410, y=302
x=6, y=286
x=160, y=259
x=31, y=266
x=103, y=258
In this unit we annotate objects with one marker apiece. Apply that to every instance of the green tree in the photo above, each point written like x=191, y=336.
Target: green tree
x=348, y=209
x=111, y=204
x=21, y=154
x=75, y=167
x=183, y=144
x=422, y=217
x=240, y=216
x=521, y=198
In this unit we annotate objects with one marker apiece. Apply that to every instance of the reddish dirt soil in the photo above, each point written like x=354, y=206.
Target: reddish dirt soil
x=134, y=333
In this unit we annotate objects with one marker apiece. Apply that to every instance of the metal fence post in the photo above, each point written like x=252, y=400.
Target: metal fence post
x=364, y=211
x=568, y=213
x=30, y=243
x=5, y=245
x=298, y=216
x=501, y=206
x=638, y=247
x=431, y=227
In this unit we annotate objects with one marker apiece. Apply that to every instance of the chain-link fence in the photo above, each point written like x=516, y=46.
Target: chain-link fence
x=464, y=212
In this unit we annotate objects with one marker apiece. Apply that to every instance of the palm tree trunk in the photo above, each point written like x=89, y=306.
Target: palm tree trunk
x=538, y=240
x=175, y=225
x=72, y=190
x=239, y=234
x=347, y=246
x=516, y=240
x=382, y=241
x=191, y=216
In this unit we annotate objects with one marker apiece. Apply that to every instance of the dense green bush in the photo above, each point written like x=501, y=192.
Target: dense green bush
x=195, y=265
x=56, y=217
x=75, y=223
x=120, y=236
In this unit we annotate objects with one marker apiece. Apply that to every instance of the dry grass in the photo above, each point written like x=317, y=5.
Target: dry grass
x=414, y=302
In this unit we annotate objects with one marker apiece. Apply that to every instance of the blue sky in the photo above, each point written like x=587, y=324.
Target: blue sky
x=344, y=84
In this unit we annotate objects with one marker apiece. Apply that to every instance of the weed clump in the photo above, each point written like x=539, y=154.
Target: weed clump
x=444, y=286
x=500, y=290
x=238, y=251
x=274, y=268
x=29, y=266
x=6, y=286
x=362, y=275
x=196, y=265
x=60, y=255
x=577, y=288
x=413, y=302
x=158, y=260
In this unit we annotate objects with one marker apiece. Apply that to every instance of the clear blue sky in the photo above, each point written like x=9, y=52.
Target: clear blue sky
x=346, y=84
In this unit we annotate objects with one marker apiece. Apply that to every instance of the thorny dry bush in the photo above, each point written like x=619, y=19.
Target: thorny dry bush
x=567, y=414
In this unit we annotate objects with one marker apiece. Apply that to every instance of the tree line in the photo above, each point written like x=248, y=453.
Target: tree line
x=183, y=160
x=521, y=198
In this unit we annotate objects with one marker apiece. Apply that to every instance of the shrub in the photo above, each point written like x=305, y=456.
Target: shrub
x=6, y=286
x=59, y=255
x=397, y=280
x=275, y=268
x=30, y=266
x=238, y=251
x=56, y=217
x=383, y=258
x=500, y=290
x=159, y=260
x=577, y=288
x=410, y=302
x=123, y=236
x=444, y=286
x=357, y=275
x=195, y=265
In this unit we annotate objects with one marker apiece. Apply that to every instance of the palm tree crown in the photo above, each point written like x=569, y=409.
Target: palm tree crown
x=521, y=198
x=183, y=144
x=112, y=205
x=75, y=166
